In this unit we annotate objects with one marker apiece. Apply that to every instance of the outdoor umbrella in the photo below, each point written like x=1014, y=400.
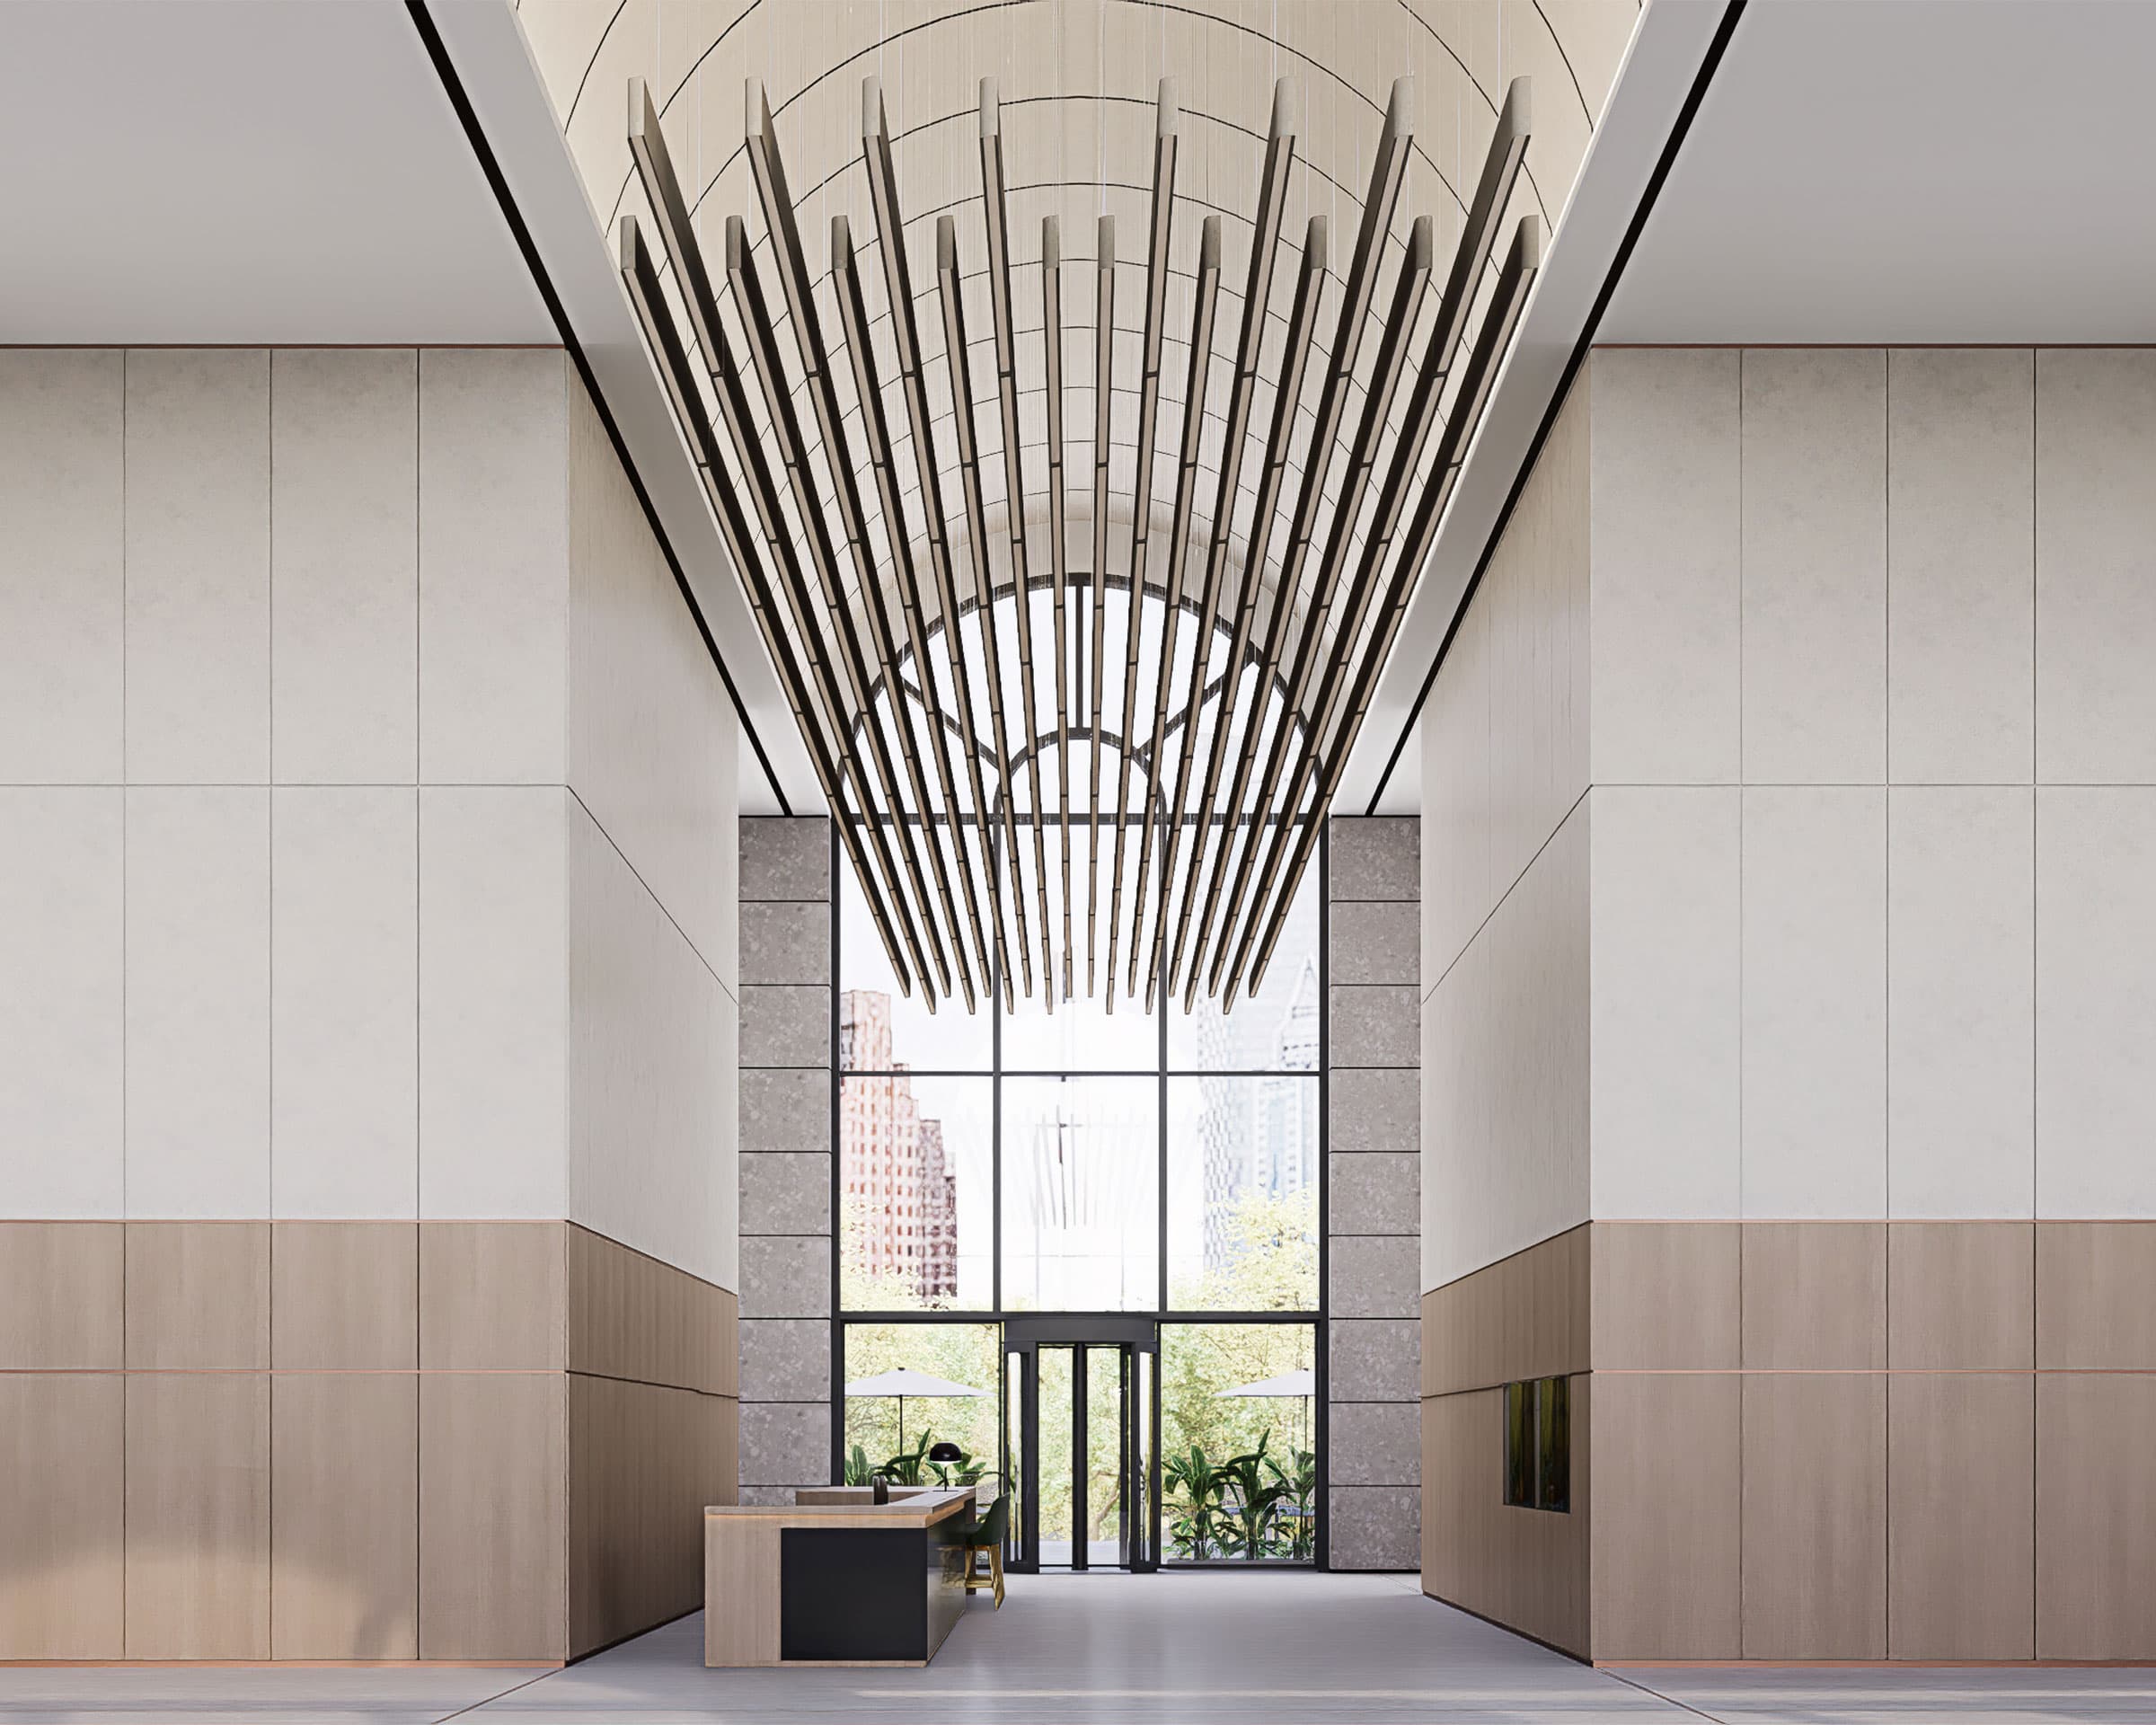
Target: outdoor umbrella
x=905, y=1382
x=1301, y=1384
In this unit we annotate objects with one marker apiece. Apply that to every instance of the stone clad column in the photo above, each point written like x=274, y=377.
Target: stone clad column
x=786, y=1150
x=1374, y=1203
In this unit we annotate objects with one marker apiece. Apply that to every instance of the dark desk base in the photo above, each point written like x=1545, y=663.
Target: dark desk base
x=863, y=1595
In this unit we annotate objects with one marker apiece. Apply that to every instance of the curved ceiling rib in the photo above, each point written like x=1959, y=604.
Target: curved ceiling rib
x=904, y=689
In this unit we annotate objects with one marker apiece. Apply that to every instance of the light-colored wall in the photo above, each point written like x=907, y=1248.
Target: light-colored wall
x=357, y=739
x=1505, y=888
x=654, y=875
x=1875, y=804
x=229, y=808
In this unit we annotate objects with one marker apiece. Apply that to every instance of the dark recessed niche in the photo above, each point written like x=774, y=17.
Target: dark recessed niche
x=1538, y=1444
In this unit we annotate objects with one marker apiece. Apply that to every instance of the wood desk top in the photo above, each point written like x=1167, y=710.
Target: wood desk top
x=921, y=1508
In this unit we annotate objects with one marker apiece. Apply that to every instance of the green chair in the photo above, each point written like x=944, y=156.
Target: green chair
x=987, y=1539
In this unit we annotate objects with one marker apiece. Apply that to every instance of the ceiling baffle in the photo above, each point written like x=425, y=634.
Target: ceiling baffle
x=1271, y=654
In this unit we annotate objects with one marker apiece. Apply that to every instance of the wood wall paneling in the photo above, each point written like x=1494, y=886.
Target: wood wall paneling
x=198, y=1295
x=198, y=1503
x=1961, y=1531
x=632, y=1316
x=1814, y=1515
x=2096, y=1296
x=1665, y=1296
x=1522, y=1316
x=494, y=1514
x=60, y=1291
x=1815, y=1296
x=2096, y=1516
x=1666, y=1519
x=1961, y=1296
x=344, y=1296
x=63, y=1498
x=493, y=1297
x=344, y=1516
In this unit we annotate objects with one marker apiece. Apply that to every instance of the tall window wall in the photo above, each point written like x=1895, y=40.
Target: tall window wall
x=1159, y=1164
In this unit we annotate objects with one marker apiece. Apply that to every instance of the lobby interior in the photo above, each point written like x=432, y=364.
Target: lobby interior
x=1326, y=827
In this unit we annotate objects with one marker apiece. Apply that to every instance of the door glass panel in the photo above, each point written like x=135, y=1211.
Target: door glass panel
x=1052, y=1471
x=1141, y=1475
x=1104, y=1456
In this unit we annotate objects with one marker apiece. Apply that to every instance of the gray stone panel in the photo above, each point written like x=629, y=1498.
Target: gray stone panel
x=1369, y=942
x=786, y=1359
x=783, y=1194
x=785, y=1025
x=1375, y=1276
x=785, y=943
x=1375, y=1443
x=1375, y=1527
x=1373, y=1359
x=1371, y=1025
x=785, y=1443
x=1376, y=857
x=1371, y=1195
x=1371, y=1110
x=786, y=1276
x=786, y=1110
x=766, y=1497
x=785, y=858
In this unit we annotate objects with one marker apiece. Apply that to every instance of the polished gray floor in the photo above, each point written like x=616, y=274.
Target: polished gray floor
x=1101, y=1649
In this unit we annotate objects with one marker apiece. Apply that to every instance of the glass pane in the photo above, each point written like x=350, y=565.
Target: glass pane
x=1081, y=1194
x=1014, y=1452
x=1081, y=1035
x=1556, y=1444
x=1239, y=1471
x=879, y=1028
x=1244, y=1166
x=1057, y=1415
x=1276, y=1030
x=1519, y=1445
x=1103, y=1455
x=1141, y=1462
x=917, y=1185
x=894, y=1433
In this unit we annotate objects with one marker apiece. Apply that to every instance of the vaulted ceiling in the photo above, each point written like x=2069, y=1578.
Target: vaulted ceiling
x=1017, y=791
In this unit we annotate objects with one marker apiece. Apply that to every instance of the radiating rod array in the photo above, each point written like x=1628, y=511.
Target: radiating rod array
x=1259, y=615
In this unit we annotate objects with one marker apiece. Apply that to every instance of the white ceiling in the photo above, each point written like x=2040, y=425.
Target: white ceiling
x=252, y=171
x=1918, y=171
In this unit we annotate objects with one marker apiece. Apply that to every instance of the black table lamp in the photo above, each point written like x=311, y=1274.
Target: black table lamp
x=946, y=1452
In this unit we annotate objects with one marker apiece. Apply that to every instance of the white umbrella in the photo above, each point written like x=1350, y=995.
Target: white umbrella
x=903, y=1382
x=1301, y=1384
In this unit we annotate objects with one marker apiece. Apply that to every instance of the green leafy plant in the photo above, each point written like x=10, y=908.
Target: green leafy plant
x=1250, y=1499
x=904, y=1467
x=1196, y=1528
x=857, y=1466
x=1300, y=1478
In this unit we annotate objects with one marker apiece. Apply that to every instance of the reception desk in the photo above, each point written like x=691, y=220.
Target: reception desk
x=837, y=1578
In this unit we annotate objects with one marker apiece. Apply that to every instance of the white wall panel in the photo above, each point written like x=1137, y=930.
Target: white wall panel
x=1666, y=1007
x=1815, y=1002
x=197, y=547
x=1961, y=559
x=493, y=530
x=493, y=1001
x=647, y=1139
x=61, y=1013
x=724, y=1169
x=638, y=673
x=2096, y=566
x=1666, y=657
x=197, y=1009
x=1960, y=1001
x=344, y=1001
x=2096, y=1001
x=60, y=566
x=344, y=566
x=1813, y=430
